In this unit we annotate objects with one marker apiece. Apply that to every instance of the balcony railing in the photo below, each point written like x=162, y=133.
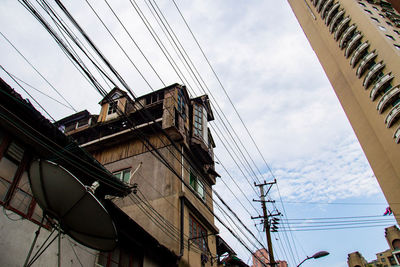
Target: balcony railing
x=365, y=63
x=372, y=74
x=336, y=20
x=392, y=116
x=355, y=40
x=384, y=80
x=346, y=36
x=387, y=98
x=360, y=51
x=331, y=13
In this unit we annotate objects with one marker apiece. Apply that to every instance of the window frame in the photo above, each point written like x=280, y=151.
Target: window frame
x=126, y=171
x=181, y=103
x=112, y=107
x=198, y=233
x=198, y=120
x=195, y=183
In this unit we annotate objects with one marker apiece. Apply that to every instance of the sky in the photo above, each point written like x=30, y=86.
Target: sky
x=273, y=78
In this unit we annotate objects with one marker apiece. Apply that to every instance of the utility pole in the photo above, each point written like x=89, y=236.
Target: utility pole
x=266, y=220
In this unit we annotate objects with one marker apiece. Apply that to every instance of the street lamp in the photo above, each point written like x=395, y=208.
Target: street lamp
x=315, y=256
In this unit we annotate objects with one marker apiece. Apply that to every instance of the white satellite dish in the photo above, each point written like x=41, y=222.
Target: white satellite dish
x=80, y=214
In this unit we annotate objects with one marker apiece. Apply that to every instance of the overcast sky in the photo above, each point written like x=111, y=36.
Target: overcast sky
x=273, y=78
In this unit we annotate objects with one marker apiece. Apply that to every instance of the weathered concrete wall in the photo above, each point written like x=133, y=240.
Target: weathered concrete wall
x=17, y=235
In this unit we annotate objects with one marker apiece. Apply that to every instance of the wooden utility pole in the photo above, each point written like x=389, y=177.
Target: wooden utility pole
x=266, y=220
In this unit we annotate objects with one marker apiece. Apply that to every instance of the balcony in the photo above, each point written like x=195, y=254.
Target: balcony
x=392, y=116
x=388, y=98
x=336, y=19
x=341, y=28
x=346, y=36
x=325, y=9
x=331, y=13
x=202, y=152
x=396, y=135
x=320, y=5
x=359, y=53
x=373, y=73
x=367, y=60
x=384, y=80
x=355, y=40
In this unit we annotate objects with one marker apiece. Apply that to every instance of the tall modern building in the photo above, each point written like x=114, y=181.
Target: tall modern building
x=358, y=44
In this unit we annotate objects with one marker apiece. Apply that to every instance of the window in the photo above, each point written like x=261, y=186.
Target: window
x=374, y=7
x=396, y=31
x=375, y=19
x=153, y=98
x=362, y=4
x=112, y=107
x=397, y=46
x=396, y=244
x=390, y=37
x=181, y=103
x=198, y=120
x=368, y=11
x=197, y=185
x=197, y=233
x=82, y=122
x=388, y=23
x=123, y=175
x=382, y=28
x=381, y=15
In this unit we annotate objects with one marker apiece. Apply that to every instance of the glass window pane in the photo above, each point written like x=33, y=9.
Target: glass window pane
x=192, y=180
x=127, y=175
x=7, y=169
x=200, y=188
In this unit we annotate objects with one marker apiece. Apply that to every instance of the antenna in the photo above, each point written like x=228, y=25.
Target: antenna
x=72, y=205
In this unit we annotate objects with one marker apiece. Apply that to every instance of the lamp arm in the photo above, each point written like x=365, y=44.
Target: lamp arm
x=304, y=261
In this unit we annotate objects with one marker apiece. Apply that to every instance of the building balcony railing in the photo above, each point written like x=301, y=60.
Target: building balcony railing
x=396, y=135
x=373, y=73
x=389, y=97
x=366, y=61
x=331, y=13
x=392, y=116
x=341, y=28
x=358, y=54
x=336, y=20
x=355, y=40
x=325, y=9
x=320, y=4
x=384, y=80
x=347, y=36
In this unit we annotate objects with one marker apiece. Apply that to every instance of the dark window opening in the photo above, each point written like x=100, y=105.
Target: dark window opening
x=112, y=107
x=153, y=98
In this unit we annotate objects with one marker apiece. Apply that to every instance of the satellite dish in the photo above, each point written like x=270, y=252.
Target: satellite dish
x=79, y=213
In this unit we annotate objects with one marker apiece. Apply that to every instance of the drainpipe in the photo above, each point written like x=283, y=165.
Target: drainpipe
x=181, y=228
